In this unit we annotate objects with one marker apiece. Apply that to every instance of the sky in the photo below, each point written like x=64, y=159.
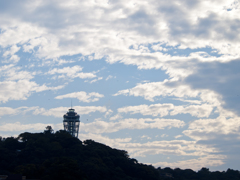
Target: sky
x=159, y=79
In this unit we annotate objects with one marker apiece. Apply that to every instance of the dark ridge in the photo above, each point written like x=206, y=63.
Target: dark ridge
x=59, y=156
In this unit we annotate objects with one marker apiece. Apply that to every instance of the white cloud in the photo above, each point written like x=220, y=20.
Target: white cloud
x=194, y=164
x=6, y=67
x=158, y=47
x=131, y=25
x=207, y=99
x=11, y=111
x=153, y=109
x=178, y=136
x=21, y=89
x=17, y=75
x=208, y=129
x=170, y=88
x=203, y=110
x=154, y=89
x=173, y=147
x=7, y=129
x=94, y=80
x=7, y=111
x=161, y=110
x=59, y=111
x=110, y=77
x=115, y=117
x=71, y=72
x=17, y=84
x=147, y=123
x=17, y=126
x=144, y=136
x=164, y=135
x=12, y=50
x=139, y=33
x=181, y=148
x=188, y=101
x=108, y=113
x=82, y=96
x=13, y=58
x=12, y=73
x=105, y=140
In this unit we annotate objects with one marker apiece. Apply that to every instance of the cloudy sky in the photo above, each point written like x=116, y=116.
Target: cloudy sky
x=157, y=78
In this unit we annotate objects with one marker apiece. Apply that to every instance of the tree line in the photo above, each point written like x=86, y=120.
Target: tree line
x=50, y=156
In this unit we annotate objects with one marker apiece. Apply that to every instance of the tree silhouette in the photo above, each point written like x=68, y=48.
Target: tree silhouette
x=50, y=156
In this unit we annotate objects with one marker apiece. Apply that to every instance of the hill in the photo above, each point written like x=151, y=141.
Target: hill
x=50, y=156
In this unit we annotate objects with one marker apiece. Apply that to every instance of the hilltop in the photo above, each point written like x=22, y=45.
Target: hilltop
x=50, y=156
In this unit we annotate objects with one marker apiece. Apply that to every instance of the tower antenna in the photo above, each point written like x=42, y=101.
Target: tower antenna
x=71, y=103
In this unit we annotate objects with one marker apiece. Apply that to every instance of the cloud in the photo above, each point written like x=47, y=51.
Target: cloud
x=108, y=113
x=182, y=148
x=178, y=136
x=94, y=80
x=135, y=24
x=208, y=129
x=222, y=78
x=115, y=117
x=71, y=72
x=117, y=142
x=13, y=58
x=21, y=89
x=131, y=123
x=17, y=84
x=12, y=51
x=154, y=89
x=59, y=111
x=82, y=96
x=173, y=147
x=171, y=88
x=130, y=24
x=17, y=126
x=222, y=133
x=194, y=164
x=203, y=110
x=144, y=136
x=198, y=51
x=153, y=109
x=11, y=111
x=161, y=110
x=110, y=77
x=164, y=135
x=13, y=73
x=7, y=111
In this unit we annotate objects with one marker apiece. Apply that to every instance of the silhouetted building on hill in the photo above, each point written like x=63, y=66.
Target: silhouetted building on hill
x=71, y=122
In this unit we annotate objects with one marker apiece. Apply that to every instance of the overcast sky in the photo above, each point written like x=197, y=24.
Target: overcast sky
x=160, y=79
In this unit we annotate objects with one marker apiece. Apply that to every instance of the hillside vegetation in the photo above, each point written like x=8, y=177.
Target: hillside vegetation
x=50, y=156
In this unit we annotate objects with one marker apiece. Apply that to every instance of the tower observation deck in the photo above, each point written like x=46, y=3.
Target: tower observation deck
x=71, y=122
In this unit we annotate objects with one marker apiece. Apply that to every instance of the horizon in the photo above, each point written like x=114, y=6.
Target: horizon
x=158, y=80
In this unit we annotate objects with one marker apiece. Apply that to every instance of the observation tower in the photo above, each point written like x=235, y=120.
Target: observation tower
x=71, y=122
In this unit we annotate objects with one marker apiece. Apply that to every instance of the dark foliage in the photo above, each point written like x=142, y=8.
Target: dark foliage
x=50, y=156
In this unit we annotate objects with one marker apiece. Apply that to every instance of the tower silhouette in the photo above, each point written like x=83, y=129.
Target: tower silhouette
x=71, y=122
